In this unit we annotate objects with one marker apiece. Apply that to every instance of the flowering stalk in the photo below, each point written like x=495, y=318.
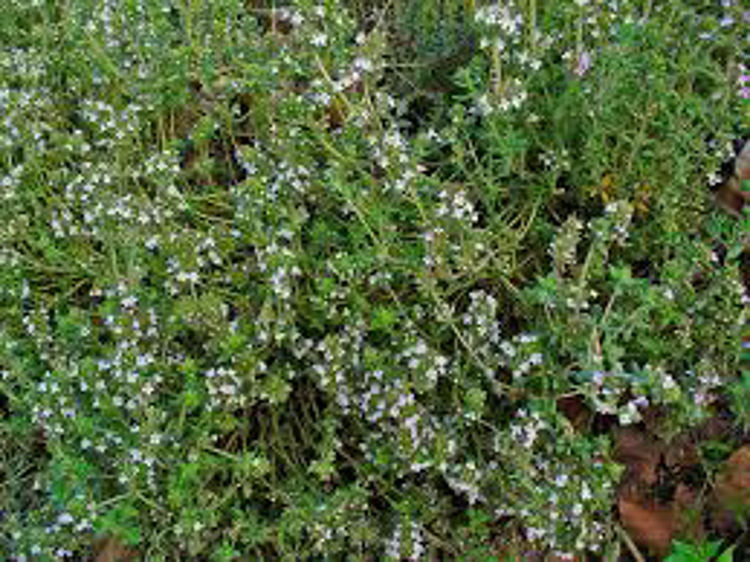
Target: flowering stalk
x=579, y=31
x=496, y=70
x=532, y=26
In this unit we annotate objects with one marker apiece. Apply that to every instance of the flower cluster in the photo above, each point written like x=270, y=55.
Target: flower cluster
x=253, y=301
x=406, y=541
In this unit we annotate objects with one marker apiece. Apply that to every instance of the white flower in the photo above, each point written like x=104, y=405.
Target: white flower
x=297, y=19
x=152, y=242
x=630, y=414
x=483, y=106
x=363, y=64
x=319, y=40
x=228, y=389
x=714, y=178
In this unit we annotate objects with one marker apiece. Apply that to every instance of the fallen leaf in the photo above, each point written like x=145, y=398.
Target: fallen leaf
x=110, y=549
x=638, y=452
x=730, y=195
x=575, y=410
x=650, y=525
x=732, y=485
x=742, y=165
x=687, y=508
x=681, y=452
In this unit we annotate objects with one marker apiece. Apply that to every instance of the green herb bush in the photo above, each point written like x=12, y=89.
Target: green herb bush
x=308, y=281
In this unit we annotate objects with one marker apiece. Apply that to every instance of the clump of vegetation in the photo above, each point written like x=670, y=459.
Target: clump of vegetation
x=311, y=281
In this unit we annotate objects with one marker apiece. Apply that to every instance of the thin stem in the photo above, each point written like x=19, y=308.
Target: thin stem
x=219, y=452
x=630, y=544
x=150, y=503
x=497, y=67
x=647, y=11
x=116, y=499
x=505, y=387
x=579, y=33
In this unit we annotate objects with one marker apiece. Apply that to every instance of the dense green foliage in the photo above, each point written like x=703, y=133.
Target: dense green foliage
x=311, y=282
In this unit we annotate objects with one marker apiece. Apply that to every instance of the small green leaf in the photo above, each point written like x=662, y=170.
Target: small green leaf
x=726, y=556
x=192, y=399
x=383, y=318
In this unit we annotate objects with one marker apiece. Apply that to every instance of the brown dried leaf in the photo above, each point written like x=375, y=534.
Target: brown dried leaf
x=110, y=549
x=650, y=525
x=742, y=165
x=687, y=507
x=732, y=487
x=730, y=195
x=681, y=452
x=575, y=410
x=638, y=452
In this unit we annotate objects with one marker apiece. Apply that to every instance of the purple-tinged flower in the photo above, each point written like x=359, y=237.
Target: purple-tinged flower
x=584, y=63
x=745, y=89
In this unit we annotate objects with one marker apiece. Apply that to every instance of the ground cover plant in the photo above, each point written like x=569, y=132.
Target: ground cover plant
x=370, y=281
